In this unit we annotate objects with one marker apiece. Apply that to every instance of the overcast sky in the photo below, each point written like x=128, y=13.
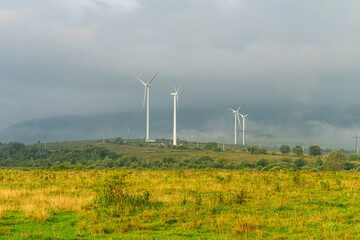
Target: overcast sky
x=81, y=57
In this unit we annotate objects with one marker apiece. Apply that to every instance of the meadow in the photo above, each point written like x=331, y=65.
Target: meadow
x=178, y=204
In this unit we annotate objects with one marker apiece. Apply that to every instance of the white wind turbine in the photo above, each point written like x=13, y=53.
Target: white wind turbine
x=236, y=116
x=243, y=118
x=176, y=103
x=146, y=96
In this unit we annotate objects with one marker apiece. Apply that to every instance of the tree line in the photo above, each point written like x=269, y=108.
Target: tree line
x=18, y=155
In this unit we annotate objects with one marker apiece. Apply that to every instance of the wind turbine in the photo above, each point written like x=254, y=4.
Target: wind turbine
x=243, y=118
x=146, y=97
x=236, y=116
x=176, y=103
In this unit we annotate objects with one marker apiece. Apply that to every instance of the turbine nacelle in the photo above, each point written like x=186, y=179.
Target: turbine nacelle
x=235, y=111
x=146, y=94
x=176, y=93
x=148, y=83
x=147, y=86
x=243, y=116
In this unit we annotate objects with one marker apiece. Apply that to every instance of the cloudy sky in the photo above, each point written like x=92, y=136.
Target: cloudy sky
x=298, y=59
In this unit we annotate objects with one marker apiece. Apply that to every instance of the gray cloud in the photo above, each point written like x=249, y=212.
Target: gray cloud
x=81, y=57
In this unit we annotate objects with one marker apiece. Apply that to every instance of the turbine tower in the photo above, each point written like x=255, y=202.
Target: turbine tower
x=243, y=118
x=146, y=98
x=236, y=116
x=176, y=103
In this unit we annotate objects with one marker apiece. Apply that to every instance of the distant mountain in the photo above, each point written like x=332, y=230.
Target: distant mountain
x=266, y=125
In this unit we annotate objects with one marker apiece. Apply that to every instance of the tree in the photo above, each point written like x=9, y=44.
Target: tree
x=212, y=146
x=314, y=150
x=284, y=149
x=262, y=162
x=118, y=140
x=298, y=150
x=300, y=163
x=256, y=150
x=335, y=161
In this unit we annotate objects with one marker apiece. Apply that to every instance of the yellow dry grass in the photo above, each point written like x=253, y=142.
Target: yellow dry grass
x=325, y=204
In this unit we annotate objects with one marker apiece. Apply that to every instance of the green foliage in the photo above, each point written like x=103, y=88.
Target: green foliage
x=319, y=162
x=353, y=157
x=196, y=204
x=262, y=162
x=256, y=150
x=70, y=156
x=212, y=146
x=349, y=165
x=113, y=197
x=284, y=149
x=118, y=140
x=335, y=161
x=298, y=150
x=60, y=167
x=314, y=150
x=300, y=163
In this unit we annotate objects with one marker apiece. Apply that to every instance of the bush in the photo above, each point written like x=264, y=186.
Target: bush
x=256, y=150
x=118, y=140
x=298, y=150
x=60, y=167
x=314, y=150
x=112, y=195
x=287, y=160
x=168, y=160
x=349, y=165
x=212, y=146
x=262, y=162
x=284, y=149
x=353, y=157
x=335, y=161
x=300, y=163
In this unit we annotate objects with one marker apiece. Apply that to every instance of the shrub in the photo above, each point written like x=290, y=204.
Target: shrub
x=262, y=162
x=319, y=162
x=168, y=160
x=212, y=146
x=256, y=150
x=335, y=161
x=353, y=157
x=112, y=195
x=300, y=163
x=298, y=150
x=314, y=150
x=349, y=165
x=284, y=149
x=118, y=140
x=287, y=160
x=60, y=167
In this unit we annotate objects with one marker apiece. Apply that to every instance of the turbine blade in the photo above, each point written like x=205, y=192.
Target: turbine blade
x=177, y=102
x=141, y=80
x=231, y=109
x=246, y=115
x=144, y=98
x=179, y=88
x=174, y=88
x=238, y=108
x=237, y=115
x=151, y=79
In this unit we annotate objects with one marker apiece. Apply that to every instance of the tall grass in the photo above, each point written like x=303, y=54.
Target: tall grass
x=189, y=203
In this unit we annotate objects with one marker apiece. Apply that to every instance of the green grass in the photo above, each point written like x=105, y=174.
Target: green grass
x=182, y=204
x=61, y=225
x=152, y=152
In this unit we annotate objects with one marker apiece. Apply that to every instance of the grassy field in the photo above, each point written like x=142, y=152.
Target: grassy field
x=178, y=204
x=152, y=152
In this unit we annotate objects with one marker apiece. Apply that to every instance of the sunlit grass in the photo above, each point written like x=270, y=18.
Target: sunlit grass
x=183, y=204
